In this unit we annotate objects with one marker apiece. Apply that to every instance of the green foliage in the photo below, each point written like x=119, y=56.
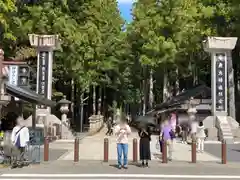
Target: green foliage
x=165, y=35
x=7, y=8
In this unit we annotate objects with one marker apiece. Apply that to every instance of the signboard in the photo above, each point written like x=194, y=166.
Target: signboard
x=23, y=78
x=220, y=82
x=43, y=74
x=13, y=75
x=36, y=136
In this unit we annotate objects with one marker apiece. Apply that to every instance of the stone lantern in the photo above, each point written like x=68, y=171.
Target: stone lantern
x=192, y=111
x=64, y=108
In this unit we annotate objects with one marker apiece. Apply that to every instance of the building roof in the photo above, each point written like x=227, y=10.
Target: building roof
x=182, y=97
x=28, y=95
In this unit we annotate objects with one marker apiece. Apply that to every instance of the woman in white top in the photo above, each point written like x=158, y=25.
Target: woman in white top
x=200, y=135
x=122, y=131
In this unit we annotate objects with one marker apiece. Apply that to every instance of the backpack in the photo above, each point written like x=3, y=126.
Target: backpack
x=18, y=140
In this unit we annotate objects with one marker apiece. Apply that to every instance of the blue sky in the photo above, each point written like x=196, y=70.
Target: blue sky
x=125, y=7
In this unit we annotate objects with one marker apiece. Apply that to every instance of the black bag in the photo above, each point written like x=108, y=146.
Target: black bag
x=161, y=145
x=172, y=134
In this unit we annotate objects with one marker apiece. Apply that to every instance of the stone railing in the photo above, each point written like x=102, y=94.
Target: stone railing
x=96, y=124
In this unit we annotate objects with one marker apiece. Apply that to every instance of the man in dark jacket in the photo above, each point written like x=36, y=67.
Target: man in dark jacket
x=109, y=126
x=185, y=129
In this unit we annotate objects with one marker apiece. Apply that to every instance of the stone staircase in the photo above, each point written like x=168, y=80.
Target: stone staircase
x=225, y=129
x=67, y=132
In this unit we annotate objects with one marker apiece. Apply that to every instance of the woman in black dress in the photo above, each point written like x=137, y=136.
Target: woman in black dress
x=144, y=146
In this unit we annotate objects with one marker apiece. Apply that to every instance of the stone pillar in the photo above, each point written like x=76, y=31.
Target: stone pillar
x=63, y=121
x=219, y=47
x=231, y=86
x=45, y=45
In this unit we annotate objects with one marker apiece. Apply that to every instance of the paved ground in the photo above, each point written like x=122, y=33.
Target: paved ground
x=91, y=167
x=58, y=148
x=98, y=170
x=91, y=148
x=233, y=151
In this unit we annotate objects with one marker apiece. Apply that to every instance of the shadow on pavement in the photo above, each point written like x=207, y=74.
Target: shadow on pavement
x=237, y=150
x=233, y=151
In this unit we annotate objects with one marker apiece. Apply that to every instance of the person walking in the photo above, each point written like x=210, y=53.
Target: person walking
x=144, y=145
x=167, y=137
x=200, y=135
x=122, y=131
x=109, y=126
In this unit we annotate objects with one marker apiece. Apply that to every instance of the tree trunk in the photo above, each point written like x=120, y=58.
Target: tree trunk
x=232, y=108
x=177, y=88
x=72, y=98
x=94, y=100
x=144, y=98
x=151, y=96
x=195, y=75
x=81, y=111
x=166, y=93
x=99, y=100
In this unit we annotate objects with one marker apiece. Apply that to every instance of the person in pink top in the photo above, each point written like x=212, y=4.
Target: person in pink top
x=122, y=131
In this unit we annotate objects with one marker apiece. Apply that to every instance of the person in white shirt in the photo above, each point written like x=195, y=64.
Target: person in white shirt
x=200, y=135
x=20, y=138
x=122, y=131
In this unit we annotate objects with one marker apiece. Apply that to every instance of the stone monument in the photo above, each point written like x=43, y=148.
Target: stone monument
x=45, y=45
x=220, y=47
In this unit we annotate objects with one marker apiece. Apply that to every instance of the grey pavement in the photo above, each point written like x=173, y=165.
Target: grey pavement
x=233, y=151
x=54, y=154
x=98, y=170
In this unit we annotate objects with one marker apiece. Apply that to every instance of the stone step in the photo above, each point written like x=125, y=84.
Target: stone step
x=227, y=132
x=229, y=141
